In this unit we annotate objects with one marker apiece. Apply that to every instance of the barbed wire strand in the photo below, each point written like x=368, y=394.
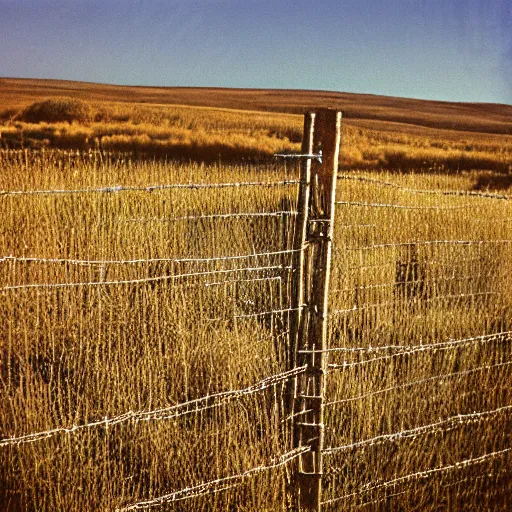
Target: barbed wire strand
x=235, y=281
x=346, y=365
x=426, y=281
x=472, y=479
x=148, y=260
x=403, y=207
x=150, y=188
x=433, y=262
x=421, y=475
x=440, y=426
x=409, y=302
x=406, y=349
x=212, y=216
x=165, y=413
x=270, y=312
x=419, y=382
x=385, y=498
x=471, y=193
x=218, y=485
x=426, y=243
x=142, y=280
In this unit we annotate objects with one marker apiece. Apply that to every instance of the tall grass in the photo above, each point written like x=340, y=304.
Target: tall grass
x=74, y=355
x=391, y=288
x=78, y=354
x=213, y=134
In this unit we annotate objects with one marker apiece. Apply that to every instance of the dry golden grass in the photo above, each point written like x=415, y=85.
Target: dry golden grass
x=230, y=125
x=479, y=117
x=72, y=355
x=77, y=354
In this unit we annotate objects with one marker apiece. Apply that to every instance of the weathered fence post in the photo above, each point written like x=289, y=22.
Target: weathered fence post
x=314, y=234
x=299, y=238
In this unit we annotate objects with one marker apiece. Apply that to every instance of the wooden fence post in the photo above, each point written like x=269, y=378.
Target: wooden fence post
x=299, y=239
x=312, y=322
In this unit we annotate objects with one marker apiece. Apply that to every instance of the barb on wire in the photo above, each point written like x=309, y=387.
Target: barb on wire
x=423, y=191
x=151, y=188
x=420, y=475
x=408, y=349
x=440, y=426
x=165, y=413
x=249, y=215
x=149, y=260
x=215, y=486
x=418, y=382
x=142, y=280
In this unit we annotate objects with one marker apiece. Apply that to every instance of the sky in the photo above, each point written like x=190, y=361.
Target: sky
x=454, y=50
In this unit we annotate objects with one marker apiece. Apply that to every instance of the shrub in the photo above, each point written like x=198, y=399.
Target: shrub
x=56, y=110
x=492, y=181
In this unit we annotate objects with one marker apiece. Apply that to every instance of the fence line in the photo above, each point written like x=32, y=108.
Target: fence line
x=151, y=188
x=142, y=280
x=149, y=260
x=407, y=349
x=426, y=243
x=418, y=382
x=420, y=475
x=218, y=485
x=450, y=423
x=346, y=365
x=165, y=413
x=412, y=303
x=428, y=280
x=404, y=207
x=471, y=193
x=223, y=216
x=427, y=262
x=270, y=312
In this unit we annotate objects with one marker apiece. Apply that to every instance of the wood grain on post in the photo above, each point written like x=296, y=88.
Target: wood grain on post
x=312, y=337
x=299, y=238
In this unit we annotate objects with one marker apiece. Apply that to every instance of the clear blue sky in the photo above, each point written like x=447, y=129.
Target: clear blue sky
x=457, y=50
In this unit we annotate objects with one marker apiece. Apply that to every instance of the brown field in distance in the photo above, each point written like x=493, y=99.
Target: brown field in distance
x=209, y=124
x=481, y=117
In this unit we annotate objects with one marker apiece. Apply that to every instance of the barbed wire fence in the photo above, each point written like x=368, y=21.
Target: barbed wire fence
x=418, y=395
x=234, y=292
x=386, y=323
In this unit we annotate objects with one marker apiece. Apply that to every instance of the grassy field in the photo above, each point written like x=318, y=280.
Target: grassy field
x=231, y=125
x=74, y=355
x=126, y=311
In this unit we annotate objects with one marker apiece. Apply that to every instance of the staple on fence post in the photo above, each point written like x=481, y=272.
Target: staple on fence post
x=318, y=214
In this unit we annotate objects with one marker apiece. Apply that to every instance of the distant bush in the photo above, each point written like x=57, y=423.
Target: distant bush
x=492, y=181
x=56, y=110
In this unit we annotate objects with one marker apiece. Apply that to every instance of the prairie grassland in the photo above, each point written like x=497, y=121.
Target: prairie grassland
x=75, y=354
x=16, y=94
x=419, y=269
x=72, y=355
x=232, y=125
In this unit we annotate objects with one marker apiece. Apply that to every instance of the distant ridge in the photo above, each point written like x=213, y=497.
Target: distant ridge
x=16, y=93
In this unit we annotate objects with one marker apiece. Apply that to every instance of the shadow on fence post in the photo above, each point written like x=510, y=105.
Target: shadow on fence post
x=308, y=328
